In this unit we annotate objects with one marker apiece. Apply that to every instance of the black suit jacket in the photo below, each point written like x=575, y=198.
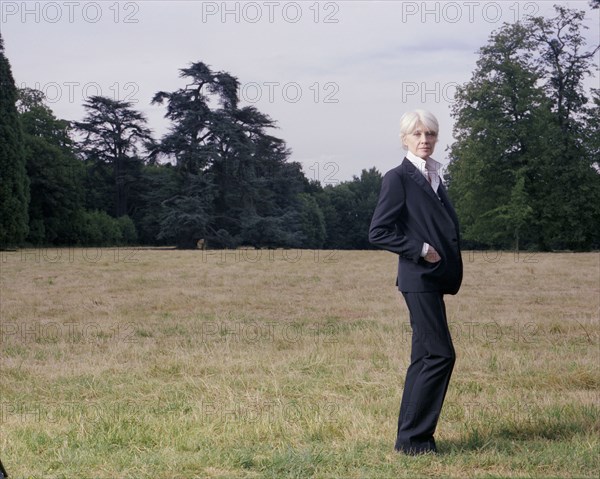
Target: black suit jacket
x=409, y=214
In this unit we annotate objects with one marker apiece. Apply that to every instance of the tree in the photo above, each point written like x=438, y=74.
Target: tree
x=186, y=215
x=591, y=142
x=238, y=187
x=14, y=184
x=513, y=216
x=193, y=141
x=313, y=222
x=564, y=66
x=157, y=184
x=347, y=209
x=55, y=174
x=366, y=191
x=519, y=152
x=565, y=62
x=114, y=135
x=501, y=117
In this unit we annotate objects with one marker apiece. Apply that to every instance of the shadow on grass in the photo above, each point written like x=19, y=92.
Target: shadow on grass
x=554, y=425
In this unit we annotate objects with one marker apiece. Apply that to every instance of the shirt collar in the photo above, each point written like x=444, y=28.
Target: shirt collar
x=420, y=162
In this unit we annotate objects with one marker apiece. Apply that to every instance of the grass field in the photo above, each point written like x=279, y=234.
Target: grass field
x=125, y=363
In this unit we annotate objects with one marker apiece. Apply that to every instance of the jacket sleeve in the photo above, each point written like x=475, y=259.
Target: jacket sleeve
x=383, y=232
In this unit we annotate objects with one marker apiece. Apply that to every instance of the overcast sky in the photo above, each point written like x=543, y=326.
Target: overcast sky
x=335, y=76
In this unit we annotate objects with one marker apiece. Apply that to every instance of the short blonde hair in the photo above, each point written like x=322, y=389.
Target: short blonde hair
x=411, y=119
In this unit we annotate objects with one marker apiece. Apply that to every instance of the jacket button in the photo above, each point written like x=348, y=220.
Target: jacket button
x=454, y=240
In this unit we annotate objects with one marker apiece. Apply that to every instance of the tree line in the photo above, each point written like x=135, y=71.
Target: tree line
x=523, y=170
x=217, y=175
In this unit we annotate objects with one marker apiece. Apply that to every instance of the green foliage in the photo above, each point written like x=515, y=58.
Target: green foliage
x=97, y=228
x=185, y=217
x=271, y=231
x=313, y=222
x=519, y=154
x=56, y=176
x=158, y=183
x=236, y=184
x=524, y=169
x=347, y=209
x=14, y=183
x=128, y=232
x=114, y=134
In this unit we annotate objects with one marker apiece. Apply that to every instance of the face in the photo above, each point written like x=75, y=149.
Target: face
x=421, y=141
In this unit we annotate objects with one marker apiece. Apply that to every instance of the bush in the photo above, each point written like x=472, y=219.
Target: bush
x=128, y=231
x=97, y=228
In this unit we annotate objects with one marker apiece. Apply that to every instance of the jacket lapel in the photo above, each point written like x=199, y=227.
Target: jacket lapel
x=418, y=177
x=443, y=202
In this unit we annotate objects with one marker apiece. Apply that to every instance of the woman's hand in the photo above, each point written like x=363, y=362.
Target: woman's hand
x=432, y=255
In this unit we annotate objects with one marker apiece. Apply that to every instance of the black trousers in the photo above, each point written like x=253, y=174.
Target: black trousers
x=431, y=363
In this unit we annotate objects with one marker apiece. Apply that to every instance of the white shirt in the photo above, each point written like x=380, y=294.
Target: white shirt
x=434, y=169
x=432, y=165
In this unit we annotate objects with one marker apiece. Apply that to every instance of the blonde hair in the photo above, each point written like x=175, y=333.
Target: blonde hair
x=411, y=119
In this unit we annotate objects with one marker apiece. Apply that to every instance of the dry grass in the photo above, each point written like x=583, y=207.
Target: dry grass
x=189, y=364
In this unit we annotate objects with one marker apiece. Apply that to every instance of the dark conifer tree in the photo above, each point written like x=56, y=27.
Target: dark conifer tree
x=14, y=183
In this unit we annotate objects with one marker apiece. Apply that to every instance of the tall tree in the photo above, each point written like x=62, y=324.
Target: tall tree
x=56, y=175
x=591, y=140
x=518, y=154
x=238, y=186
x=114, y=136
x=195, y=143
x=158, y=184
x=565, y=62
x=501, y=117
x=591, y=145
x=14, y=184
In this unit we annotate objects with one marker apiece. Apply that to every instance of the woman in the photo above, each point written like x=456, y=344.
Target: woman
x=415, y=219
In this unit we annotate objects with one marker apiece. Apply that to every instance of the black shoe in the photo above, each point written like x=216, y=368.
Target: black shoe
x=416, y=448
